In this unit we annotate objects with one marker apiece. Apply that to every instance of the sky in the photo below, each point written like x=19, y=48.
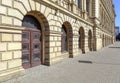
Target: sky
x=117, y=11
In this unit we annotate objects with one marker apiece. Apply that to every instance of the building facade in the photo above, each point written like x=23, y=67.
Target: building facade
x=35, y=32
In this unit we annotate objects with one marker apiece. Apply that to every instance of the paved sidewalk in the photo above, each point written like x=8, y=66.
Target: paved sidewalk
x=102, y=66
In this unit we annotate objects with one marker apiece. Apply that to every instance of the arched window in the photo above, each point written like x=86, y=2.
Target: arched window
x=64, y=39
x=31, y=22
x=90, y=40
x=82, y=39
x=79, y=41
x=77, y=2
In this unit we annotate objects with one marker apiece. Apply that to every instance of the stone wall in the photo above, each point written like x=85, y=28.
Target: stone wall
x=10, y=52
x=12, y=13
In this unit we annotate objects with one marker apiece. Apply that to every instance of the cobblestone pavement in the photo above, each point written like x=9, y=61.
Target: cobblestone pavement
x=102, y=66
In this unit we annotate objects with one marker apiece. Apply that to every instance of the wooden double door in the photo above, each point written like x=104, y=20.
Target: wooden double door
x=31, y=48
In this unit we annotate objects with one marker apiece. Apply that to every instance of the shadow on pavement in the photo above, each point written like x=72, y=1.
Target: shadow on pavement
x=90, y=62
x=83, y=61
x=114, y=47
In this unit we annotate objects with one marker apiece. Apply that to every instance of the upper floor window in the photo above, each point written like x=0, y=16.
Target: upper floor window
x=79, y=3
x=88, y=6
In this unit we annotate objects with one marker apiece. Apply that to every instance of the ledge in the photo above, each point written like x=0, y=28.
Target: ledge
x=11, y=74
x=58, y=7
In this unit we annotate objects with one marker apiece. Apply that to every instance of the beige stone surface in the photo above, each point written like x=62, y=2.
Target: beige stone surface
x=17, y=37
x=26, y=4
x=6, y=55
x=3, y=66
x=20, y=7
x=43, y=7
x=7, y=20
x=55, y=49
x=58, y=43
x=52, y=44
x=17, y=54
x=6, y=37
x=14, y=63
x=37, y=6
x=32, y=4
x=15, y=13
x=10, y=52
x=51, y=49
x=52, y=55
x=47, y=11
x=17, y=22
x=3, y=47
x=11, y=73
x=51, y=38
x=14, y=46
x=3, y=9
x=7, y=2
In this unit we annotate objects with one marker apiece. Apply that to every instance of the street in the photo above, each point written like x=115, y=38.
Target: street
x=101, y=66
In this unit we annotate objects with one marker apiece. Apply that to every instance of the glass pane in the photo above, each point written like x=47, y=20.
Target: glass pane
x=25, y=58
x=36, y=57
x=25, y=46
x=25, y=36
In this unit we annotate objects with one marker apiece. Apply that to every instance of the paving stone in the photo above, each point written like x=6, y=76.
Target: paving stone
x=104, y=67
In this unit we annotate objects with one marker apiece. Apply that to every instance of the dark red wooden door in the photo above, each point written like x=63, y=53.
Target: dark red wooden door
x=31, y=48
x=26, y=49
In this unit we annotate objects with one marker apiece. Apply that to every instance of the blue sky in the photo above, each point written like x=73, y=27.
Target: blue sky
x=117, y=10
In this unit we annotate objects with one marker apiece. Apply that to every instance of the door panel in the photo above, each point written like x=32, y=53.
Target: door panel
x=26, y=49
x=36, y=44
x=31, y=45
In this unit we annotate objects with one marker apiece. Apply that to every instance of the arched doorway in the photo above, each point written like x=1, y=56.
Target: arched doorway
x=90, y=40
x=34, y=39
x=31, y=42
x=103, y=41
x=67, y=39
x=64, y=39
x=82, y=39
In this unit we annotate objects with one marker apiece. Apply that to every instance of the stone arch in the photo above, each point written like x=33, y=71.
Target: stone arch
x=69, y=31
x=44, y=34
x=82, y=39
x=90, y=44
